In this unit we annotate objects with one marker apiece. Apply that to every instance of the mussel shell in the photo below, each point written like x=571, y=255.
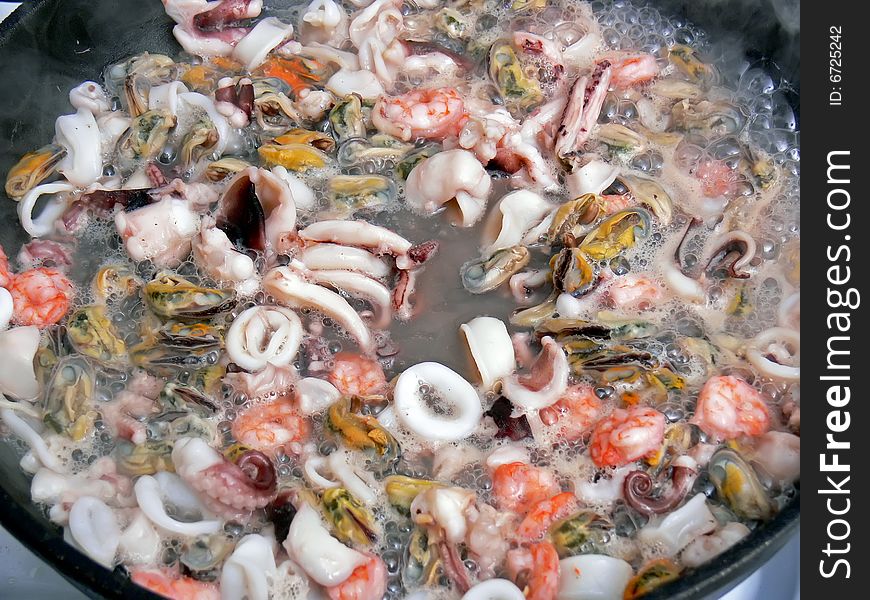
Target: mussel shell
x=346, y=118
x=69, y=401
x=146, y=458
x=115, y=282
x=651, y=576
x=402, y=490
x=738, y=485
x=505, y=70
x=574, y=218
x=351, y=521
x=171, y=296
x=361, y=432
x=616, y=234
x=92, y=333
x=572, y=273
x=485, y=274
x=32, y=169
x=585, y=532
x=225, y=167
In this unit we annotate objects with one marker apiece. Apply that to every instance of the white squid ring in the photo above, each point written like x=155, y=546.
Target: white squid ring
x=494, y=589
x=454, y=391
x=262, y=335
x=94, y=527
x=756, y=356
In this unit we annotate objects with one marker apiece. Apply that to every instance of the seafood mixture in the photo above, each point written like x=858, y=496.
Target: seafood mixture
x=381, y=299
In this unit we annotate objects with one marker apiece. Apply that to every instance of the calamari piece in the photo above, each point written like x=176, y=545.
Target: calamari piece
x=381, y=19
x=38, y=447
x=451, y=176
x=347, y=81
x=581, y=113
x=315, y=395
x=514, y=216
x=263, y=335
x=248, y=571
x=216, y=255
x=44, y=224
x=259, y=386
x=152, y=497
x=140, y=543
x=303, y=196
x=491, y=348
x=362, y=286
x=592, y=178
x=266, y=35
x=94, y=528
x=546, y=382
x=6, y=310
x=18, y=347
x=447, y=388
x=676, y=530
x=79, y=135
x=707, y=547
x=443, y=508
x=775, y=352
x=357, y=233
x=166, y=96
x=494, y=589
x=324, y=21
x=197, y=101
x=160, y=232
x=289, y=288
x=432, y=114
x=591, y=576
x=323, y=558
x=90, y=96
x=337, y=257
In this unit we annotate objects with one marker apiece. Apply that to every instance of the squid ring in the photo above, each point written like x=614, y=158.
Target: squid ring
x=264, y=335
x=456, y=401
x=761, y=348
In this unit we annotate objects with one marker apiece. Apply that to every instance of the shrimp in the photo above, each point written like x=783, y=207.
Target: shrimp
x=728, y=408
x=176, y=588
x=627, y=435
x=716, y=178
x=613, y=203
x=267, y=427
x=40, y=296
x=367, y=582
x=633, y=69
x=432, y=114
x=5, y=275
x=518, y=487
x=535, y=570
x=576, y=411
x=634, y=291
x=356, y=375
x=545, y=513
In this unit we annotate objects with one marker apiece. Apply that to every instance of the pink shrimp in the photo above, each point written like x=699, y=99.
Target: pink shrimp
x=545, y=513
x=356, y=375
x=716, y=178
x=728, y=408
x=633, y=69
x=40, y=296
x=177, y=588
x=575, y=412
x=634, y=290
x=535, y=570
x=432, y=114
x=126, y=413
x=518, y=487
x=267, y=427
x=5, y=275
x=367, y=582
x=627, y=435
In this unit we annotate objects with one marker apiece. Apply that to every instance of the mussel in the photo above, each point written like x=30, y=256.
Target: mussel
x=529, y=317
x=225, y=167
x=616, y=234
x=171, y=296
x=738, y=485
x=563, y=327
x=201, y=138
x=185, y=399
x=686, y=60
x=708, y=118
x=402, y=490
x=382, y=147
x=422, y=560
x=574, y=218
x=203, y=556
x=92, y=333
x=293, y=156
x=147, y=135
x=351, y=193
x=69, y=401
x=171, y=426
x=114, y=282
x=652, y=195
x=621, y=139
x=347, y=118
x=32, y=169
x=585, y=532
x=415, y=157
x=518, y=91
x=361, y=432
x=572, y=273
x=146, y=458
x=351, y=521
x=485, y=274
x=651, y=576
x=452, y=23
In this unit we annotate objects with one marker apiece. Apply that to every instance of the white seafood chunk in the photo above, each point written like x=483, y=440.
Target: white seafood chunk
x=263, y=335
x=140, y=543
x=80, y=137
x=195, y=100
x=357, y=233
x=605, y=489
x=359, y=286
x=494, y=589
x=451, y=176
x=18, y=346
x=37, y=445
x=710, y=546
x=303, y=196
x=347, y=81
x=323, y=558
x=43, y=224
x=328, y=54
x=504, y=455
x=444, y=507
x=545, y=384
x=335, y=256
x=6, y=309
x=112, y=126
x=159, y=232
x=151, y=498
x=248, y=571
x=382, y=19
x=90, y=96
x=314, y=104
x=324, y=21
x=360, y=486
x=514, y=216
x=593, y=577
x=166, y=96
x=677, y=529
x=266, y=35
x=315, y=395
x=784, y=345
x=216, y=255
x=446, y=388
x=491, y=348
x=94, y=528
x=778, y=453
x=592, y=178
x=289, y=288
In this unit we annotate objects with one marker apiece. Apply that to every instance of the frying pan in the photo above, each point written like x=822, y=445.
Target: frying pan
x=49, y=46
